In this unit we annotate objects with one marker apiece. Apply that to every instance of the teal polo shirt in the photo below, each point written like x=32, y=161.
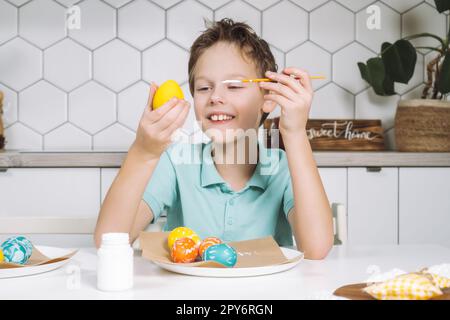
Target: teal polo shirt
x=187, y=185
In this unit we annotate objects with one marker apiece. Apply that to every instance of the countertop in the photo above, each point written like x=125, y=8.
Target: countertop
x=108, y=159
x=308, y=280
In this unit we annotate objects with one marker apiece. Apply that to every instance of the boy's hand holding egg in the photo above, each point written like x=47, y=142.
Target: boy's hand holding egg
x=293, y=96
x=165, y=112
x=185, y=247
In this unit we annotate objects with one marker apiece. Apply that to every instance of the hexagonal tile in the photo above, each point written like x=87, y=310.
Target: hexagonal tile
x=313, y=59
x=261, y=4
x=134, y=24
x=401, y=5
x=355, y=5
x=416, y=79
x=8, y=21
x=117, y=65
x=67, y=64
x=242, y=12
x=345, y=68
x=424, y=18
x=373, y=38
x=294, y=18
x=92, y=107
x=98, y=24
x=42, y=22
x=20, y=65
x=115, y=137
x=68, y=138
x=308, y=4
x=131, y=104
x=279, y=58
x=117, y=3
x=68, y=3
x=42, y=106
x=167, y=3
x=19, y=137
x=331, y=26
x=165, y=61
x=18, y=3
x=332, y=102
x=372, y=106
x=185, y=28
x=9, y=106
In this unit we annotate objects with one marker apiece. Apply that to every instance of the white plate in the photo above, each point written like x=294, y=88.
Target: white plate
x=234, y=272
x=51, y=252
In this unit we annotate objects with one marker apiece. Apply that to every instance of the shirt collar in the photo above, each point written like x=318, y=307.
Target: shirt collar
x=210, y=176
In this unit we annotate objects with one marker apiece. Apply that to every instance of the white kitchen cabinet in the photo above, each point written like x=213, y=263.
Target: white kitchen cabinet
x=372, y=206
x=424, y=206
x=50, y=192
x=334, y=181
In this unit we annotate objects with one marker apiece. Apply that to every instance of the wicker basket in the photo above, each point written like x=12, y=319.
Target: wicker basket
x=423, y=125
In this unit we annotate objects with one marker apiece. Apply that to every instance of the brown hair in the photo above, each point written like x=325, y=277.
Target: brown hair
x=239, y=34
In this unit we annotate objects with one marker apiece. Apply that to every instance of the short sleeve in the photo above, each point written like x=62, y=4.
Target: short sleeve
x=161, y=191
x=288, y=196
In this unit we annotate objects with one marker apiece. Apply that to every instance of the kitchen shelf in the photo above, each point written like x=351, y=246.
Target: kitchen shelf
x=106, y=159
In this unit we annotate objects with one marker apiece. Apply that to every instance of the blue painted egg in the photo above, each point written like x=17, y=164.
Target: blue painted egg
x=17, y=249
x=221, y=253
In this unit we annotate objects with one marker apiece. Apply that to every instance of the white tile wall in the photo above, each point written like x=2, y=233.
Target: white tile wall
x=85, y=89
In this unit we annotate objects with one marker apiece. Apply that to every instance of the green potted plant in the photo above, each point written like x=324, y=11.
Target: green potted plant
x=421, y=125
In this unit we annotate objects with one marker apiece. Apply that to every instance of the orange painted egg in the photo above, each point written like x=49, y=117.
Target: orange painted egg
x=184, y=250
x=206, y=243
x=182, y=232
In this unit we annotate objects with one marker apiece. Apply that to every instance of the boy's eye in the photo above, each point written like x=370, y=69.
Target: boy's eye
x=202, y=89
x=235, y=87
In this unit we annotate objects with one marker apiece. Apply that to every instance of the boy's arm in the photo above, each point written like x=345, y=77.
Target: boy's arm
x=119, y=210
x=310, y=218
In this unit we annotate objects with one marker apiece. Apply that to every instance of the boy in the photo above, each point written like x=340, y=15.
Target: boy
x=234, y=201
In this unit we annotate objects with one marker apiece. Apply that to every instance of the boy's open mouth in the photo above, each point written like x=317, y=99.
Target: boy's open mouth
x=219, y=118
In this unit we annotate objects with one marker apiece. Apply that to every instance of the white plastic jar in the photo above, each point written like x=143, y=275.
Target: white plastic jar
x=115, y=263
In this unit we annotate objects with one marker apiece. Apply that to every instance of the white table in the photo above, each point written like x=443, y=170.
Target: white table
x=308, y=280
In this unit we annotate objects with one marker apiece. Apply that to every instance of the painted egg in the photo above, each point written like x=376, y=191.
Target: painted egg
x=206, y=243
x=182, y=232
x=17, y=249
x=221, y=253
x=165, y=92
x=2, y=257
x=184, y=250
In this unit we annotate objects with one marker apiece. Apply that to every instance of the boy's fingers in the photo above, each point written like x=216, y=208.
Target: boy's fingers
x=278, y=99
x=156, y=115
x=279, y=88
x=151, y=93
x=168, y=118
x=305, y=79
x=179, y=121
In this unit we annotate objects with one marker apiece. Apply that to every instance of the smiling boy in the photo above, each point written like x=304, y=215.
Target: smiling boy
x=279, y=194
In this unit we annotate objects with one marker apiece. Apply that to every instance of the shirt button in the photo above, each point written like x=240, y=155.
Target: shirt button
x=230, y=222
x=231, y=202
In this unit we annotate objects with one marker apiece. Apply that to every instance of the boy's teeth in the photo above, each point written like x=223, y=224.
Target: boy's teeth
x=220, y=117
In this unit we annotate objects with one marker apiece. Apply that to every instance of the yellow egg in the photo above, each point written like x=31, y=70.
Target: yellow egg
x=165, y=92
x=2, y=257
x=182, y=232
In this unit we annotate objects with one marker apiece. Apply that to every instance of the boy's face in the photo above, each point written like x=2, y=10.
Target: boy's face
x=212, y=98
